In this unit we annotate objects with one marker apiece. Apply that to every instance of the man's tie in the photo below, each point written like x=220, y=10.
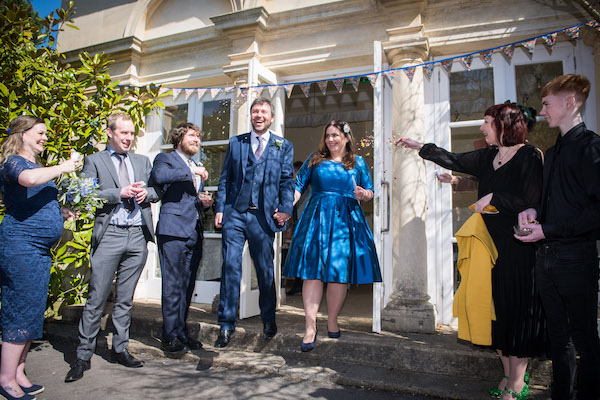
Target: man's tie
x=195, y=177
x=125, y=181
x=259, y=149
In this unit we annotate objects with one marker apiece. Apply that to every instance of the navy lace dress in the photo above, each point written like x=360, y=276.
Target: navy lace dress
x=31, y=225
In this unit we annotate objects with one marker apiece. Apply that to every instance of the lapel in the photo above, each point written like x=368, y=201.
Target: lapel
x=244, y=150
x=110, y=167
x=185, y=167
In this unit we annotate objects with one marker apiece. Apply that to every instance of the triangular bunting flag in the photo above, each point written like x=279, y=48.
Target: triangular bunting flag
x=214, y=92
x=529, y=45
x=573, y=32
x=288, y=89
x=372, y=78
x=201, y=92
x=447, y=65
x=162, y=91
x=273, y=90
x=410, y=73
x=550, y=39
x=176, y=92
x=322, y=86
x=339, y=84
x=508, y=52
x=354, y=81
x=305, y=88
x=188, y=93
x=486, y=56
x=594, y=24
x=467, y=61
x=391, y=74
x=428, y=70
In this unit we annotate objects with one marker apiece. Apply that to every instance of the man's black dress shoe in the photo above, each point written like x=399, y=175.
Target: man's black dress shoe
x=77, y=370
x=270, y=329
x=224, y=338
x=175, y=347
x=126, y=359
x=193, y=344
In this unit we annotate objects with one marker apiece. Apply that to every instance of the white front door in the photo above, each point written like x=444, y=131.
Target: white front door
x=382, y=176
x=249, y=292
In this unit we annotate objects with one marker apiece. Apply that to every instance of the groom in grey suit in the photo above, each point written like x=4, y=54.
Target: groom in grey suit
x=121, y=231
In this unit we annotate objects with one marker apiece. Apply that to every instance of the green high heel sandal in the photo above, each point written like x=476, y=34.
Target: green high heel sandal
x=523, y=395
x=495, y=391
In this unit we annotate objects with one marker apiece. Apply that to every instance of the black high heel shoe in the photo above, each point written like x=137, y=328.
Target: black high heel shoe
x=308, y=346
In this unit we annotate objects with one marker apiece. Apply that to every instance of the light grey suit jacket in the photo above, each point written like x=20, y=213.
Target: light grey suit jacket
x=101, y=167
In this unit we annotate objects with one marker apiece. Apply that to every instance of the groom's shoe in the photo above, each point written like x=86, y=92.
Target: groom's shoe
x=270, y=329
x=224, y=337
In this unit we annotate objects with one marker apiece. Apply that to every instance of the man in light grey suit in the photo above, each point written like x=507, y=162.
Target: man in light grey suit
x=121, y=231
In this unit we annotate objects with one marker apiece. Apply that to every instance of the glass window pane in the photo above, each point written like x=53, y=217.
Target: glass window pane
x=215, y=119
x=212, y=259
x=463, y=140
x=471, y=93
x=530, y=79
x=212, y=157
x=174, y=115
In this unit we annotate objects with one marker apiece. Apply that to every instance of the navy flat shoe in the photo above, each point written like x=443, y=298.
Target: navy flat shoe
x=7, y=396
x=308, y=346
x=33, y=389
x=334, y=335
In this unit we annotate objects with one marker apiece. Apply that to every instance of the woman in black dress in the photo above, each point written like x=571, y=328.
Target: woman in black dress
x=510, y=178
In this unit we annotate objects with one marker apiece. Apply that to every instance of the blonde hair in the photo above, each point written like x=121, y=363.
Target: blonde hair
x=111, y=121
x=13, y=143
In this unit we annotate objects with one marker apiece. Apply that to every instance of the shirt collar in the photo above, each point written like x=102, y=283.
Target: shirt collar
x=184, y=157
x=264, y=136
x=112, y=151
x=572, y=134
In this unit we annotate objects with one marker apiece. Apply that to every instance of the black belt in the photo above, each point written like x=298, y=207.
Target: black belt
x=126, y=226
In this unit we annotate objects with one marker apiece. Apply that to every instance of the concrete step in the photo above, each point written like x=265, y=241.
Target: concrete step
x=434, y=365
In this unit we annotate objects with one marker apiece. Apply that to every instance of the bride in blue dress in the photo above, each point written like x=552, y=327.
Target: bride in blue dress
x=332, y=243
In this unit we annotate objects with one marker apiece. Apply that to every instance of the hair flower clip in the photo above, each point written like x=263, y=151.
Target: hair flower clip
x=346, y=128
x=8, y=130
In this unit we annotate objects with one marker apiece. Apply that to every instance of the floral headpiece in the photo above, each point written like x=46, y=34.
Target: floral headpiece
x=524, y=110
x=8, y=130
x=346, y=128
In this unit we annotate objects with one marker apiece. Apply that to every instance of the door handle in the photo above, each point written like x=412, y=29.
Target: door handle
x=387, y=207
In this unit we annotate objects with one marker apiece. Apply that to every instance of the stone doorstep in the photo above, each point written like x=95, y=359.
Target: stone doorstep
x=384, y=361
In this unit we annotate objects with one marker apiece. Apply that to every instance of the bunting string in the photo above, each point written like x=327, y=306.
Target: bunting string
x=507, y=50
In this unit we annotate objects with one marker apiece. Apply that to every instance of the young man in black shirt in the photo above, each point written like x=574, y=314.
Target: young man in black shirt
x=566, y=226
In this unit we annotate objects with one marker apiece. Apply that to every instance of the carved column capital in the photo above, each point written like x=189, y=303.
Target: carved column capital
x=406, y=45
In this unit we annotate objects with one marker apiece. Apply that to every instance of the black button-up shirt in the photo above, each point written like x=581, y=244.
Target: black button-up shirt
x=570, y=208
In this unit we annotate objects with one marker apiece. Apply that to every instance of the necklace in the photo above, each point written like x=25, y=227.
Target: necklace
x=502, y=157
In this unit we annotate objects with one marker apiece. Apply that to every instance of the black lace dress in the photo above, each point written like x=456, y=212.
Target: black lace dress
x=517, y=185
x=31, y=225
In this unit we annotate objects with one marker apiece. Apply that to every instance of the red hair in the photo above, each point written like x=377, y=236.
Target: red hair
x=511, y=128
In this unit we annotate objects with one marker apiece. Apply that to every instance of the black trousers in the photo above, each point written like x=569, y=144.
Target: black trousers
x=567, y=280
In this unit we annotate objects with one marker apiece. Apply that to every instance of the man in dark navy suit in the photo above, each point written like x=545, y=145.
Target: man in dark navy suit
x=254, y=200
x=179, y=232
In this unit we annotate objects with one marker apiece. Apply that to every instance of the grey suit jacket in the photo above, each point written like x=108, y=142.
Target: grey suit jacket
x=101, y=167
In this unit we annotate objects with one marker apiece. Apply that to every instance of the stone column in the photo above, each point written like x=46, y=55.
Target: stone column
x=409, y=309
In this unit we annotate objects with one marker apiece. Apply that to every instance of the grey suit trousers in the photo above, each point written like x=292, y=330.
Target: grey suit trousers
x=122, y=251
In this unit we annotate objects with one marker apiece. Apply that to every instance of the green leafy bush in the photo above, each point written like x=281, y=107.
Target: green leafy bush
x=74, y=100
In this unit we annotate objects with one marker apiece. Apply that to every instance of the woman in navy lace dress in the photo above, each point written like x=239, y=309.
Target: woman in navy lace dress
x=31, y=225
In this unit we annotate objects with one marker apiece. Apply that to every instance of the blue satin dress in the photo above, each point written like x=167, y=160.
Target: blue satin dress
x=31, y=225
x=332, y=241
